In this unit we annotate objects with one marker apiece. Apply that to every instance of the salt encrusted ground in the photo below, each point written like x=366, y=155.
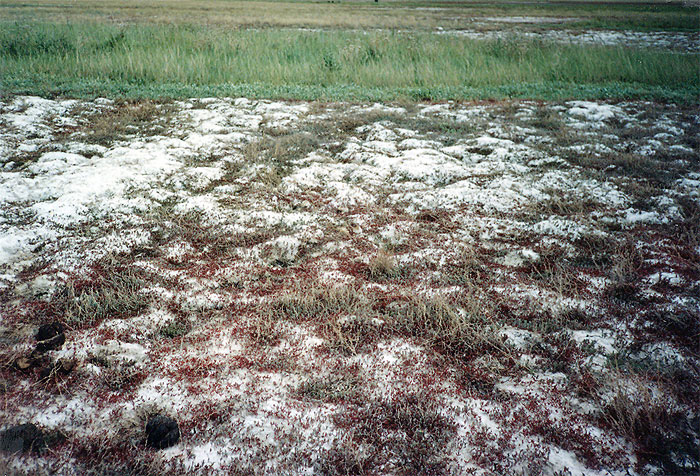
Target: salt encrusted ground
x=687, y=42
x=496, y=288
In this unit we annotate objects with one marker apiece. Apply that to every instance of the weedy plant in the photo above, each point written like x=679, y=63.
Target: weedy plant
x=405, y=429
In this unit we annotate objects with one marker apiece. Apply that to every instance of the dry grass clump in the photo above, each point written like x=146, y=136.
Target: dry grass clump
x=274, y=155
x=625, y=271
x=688, y=231
x=333, y=388
x=383, y=266
x=562, y=203
x=264, y=329
x=319, y=302
x=126, y=117
x=548, y=119
x=457, y=333
x=558, y=276
x=343, y=315
x=594, y=251
x=349, y=335
x=350, y=320
x=114, y=292
x=281, y=148
x=467, y=269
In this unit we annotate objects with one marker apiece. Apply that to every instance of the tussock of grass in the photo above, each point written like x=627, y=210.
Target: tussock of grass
x=466, y=269
x=457, y=333
x=115, y=293
x=383, y=266
x=144, y=57
x=320, y=302
x=624, y=273
x=343, y=315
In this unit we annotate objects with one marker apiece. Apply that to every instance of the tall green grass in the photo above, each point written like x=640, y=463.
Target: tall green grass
x=143, y=57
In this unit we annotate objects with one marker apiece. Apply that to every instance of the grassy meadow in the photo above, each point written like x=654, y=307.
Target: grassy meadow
x=338, y=51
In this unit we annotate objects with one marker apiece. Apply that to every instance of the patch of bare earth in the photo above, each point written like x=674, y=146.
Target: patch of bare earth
x=499, y=288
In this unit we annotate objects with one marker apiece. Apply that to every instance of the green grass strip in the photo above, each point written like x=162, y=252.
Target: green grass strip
x=178, y=61
x=89, y=89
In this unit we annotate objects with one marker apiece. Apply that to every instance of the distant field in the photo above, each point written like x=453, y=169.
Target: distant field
x=350, y=50
x=355, y=14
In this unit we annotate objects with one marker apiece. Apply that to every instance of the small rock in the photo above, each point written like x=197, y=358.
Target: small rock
x=162, y=432
x=50, y=337
x=22, y=438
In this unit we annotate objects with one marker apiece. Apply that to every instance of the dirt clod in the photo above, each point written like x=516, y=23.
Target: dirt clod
x=22, y=438
x=162, y=432
x=24, y=363
x=50, y=337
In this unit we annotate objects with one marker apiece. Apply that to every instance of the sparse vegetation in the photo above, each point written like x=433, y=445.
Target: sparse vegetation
x=458, y=333
x=665, y=434
x=335, y=388
x=407, y=431
x=124, y=117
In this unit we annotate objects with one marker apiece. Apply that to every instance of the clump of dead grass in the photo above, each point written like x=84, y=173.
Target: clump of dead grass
x=383, y=266
x=281, y=148
x=264, y=329
x=319, y=302
x=459, y=333
x=113, y=292
x=625, y=271
x=125, y=118
x=343, y=315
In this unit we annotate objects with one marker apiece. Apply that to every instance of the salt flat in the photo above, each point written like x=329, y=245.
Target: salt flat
x=322, y=288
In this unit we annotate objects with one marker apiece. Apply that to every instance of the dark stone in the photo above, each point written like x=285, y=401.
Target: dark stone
x=162, y=432
x=47, y=331
x=50, y=337
x=22, y=438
